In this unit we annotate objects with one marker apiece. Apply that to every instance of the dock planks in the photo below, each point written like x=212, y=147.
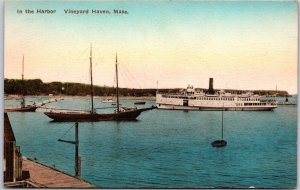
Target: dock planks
x=44, y=176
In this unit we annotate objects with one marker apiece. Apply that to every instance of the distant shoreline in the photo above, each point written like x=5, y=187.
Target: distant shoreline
x=95, y=97
x=37, y=86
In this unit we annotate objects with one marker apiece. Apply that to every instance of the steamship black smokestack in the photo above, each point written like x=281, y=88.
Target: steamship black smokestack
x=211, y=86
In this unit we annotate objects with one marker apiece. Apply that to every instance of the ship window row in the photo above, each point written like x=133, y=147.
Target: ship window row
x=209, y=98
x=255, y=104
x=248, y=99
x=180, y=97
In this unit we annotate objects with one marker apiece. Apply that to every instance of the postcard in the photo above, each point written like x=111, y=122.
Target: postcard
x=150, y=94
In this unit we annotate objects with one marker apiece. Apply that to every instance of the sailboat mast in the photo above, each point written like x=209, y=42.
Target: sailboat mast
x=222, y=120
x=118, y=106
x=23, y=86
x=91, y=74
x=23, y=68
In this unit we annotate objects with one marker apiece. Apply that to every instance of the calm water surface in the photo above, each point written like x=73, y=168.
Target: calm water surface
x=168, y=149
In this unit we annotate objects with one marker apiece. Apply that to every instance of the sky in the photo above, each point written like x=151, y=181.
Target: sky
x=250, y=45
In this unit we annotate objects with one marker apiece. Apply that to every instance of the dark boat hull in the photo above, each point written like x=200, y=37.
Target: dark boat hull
x=219, y=143
x=130, y=115
x=139, y=103
x=26, y=109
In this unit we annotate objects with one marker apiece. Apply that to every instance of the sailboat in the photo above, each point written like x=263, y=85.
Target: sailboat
x=24, y=107
x=220, y=143
x=120, y=114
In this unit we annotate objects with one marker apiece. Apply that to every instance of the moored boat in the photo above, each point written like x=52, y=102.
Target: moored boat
x=140, y=103
x=23, y=107
x=222, y=142
x=29, y=108
x=219, y=143
x=120, y=114
x=123, y=115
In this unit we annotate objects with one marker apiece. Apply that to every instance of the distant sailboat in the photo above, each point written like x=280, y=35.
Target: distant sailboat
x=120, y=114
x=220, y=143
x=23, y=108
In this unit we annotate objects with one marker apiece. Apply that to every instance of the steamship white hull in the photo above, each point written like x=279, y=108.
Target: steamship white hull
x=212, y=103
x=174, y=107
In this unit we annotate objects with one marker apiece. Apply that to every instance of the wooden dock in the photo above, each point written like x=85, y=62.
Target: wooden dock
x=42, y=176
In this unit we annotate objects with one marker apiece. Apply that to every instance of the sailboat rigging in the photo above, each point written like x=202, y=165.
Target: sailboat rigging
x=117, y=89
x=23, y=108
x=220, y=143
x=91, y=75
x=121, y=114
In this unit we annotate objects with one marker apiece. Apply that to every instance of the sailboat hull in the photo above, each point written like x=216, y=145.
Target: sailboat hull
x=130, y=115
x=126, y=114
x=26, y=109
x=23, y=108
x=219, y=143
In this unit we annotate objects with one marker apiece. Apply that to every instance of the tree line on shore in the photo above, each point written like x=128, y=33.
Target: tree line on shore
x=38, y=87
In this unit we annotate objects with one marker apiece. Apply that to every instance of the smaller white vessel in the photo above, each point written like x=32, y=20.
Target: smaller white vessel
x=108, y=100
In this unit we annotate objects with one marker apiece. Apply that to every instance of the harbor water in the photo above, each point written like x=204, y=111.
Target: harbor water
x=166, y=148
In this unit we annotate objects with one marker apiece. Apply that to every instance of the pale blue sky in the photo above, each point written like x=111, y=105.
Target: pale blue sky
x=242, y=44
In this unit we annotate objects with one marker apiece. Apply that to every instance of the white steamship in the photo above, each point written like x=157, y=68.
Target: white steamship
x=211, y=101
